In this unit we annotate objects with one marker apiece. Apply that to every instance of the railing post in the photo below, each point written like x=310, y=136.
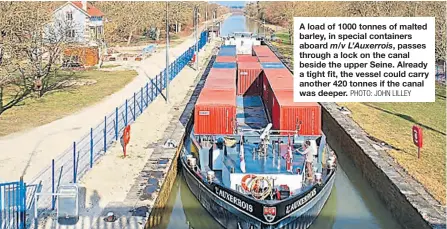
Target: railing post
x=105, y=134
x=74, y=162
x=142, y=100
x=116, y=123
x=125, y=120
x=147, y=94
x=52, y=185
x=91, y=147
x=152, y=90
x=156, y=85
x=134, y=110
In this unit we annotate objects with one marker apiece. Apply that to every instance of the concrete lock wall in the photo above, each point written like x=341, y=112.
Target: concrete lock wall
x=406, y=198
x=398, y=191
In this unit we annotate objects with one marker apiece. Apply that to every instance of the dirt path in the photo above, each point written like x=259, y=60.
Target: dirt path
x=28, y=153
x=109, y=183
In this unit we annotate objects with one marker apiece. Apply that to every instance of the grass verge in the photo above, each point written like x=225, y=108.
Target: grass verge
x=392, y=123
x=35, y=112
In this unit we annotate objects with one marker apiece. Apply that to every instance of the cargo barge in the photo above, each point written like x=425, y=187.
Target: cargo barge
x=254, y=158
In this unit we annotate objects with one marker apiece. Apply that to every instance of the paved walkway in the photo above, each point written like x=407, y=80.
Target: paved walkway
x=28, y=153
x=109, y=186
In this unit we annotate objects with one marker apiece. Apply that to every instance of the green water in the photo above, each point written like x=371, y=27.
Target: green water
x=352, y=204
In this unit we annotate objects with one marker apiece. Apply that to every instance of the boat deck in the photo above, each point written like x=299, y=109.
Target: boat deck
x=270, y=164
x=250, y=113
x=251, y=116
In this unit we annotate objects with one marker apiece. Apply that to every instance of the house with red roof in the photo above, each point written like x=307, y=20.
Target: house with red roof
x=83, y=22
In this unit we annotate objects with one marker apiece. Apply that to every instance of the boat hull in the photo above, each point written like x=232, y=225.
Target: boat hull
x=230, y=216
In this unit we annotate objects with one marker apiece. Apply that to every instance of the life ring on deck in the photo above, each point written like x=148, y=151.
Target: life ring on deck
x=244, y=181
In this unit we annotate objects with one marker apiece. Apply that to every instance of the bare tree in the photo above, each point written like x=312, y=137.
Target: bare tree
x=123, y=26
x=29, y=51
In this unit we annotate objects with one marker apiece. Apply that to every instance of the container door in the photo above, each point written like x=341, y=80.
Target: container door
x=227, y=120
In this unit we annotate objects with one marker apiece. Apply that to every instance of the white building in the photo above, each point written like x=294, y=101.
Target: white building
x=81, y=21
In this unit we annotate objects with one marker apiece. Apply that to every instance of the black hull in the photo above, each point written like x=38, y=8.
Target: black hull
x=231, y=217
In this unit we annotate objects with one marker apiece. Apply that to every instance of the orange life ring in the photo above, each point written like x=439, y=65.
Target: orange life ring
x=244, y=181
x=126, y=136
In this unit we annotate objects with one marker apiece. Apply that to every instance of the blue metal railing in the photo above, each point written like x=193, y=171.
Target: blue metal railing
x=12, y=205
x=81, y=156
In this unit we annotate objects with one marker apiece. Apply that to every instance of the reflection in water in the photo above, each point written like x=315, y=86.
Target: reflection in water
x=239, y=23
x=187, y=212
x=352, y=204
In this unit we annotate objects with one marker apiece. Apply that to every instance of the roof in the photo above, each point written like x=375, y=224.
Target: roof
x=91, y=9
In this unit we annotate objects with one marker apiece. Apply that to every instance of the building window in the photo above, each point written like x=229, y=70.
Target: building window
x=99, y=28
x=69, y=16
x=70, y=33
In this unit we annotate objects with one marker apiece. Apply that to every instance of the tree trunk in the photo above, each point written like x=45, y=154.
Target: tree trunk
x=157, y=34
x=130, y=38
x=1, y=100
x=101, y=55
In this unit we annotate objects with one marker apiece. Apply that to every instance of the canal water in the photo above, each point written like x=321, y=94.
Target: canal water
x=352, y=204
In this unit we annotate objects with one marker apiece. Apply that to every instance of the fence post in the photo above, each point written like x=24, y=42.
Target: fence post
x=156, y=85
x=105, y=134
x=134, y=110
x=52, y=185
x=74, y=162
x=152, y=89
x=23, y=203
x=116, y=124
x=147, y=94
x=142, y=100
x=91, y=147
x=125, y=120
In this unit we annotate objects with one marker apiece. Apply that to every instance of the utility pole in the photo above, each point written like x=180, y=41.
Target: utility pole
x=206, y=17
x=264, y=27
x=196, y=21
x=167, y=54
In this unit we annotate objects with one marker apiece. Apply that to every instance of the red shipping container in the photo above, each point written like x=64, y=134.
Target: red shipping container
x=271, y=74
x=220, y=82
x=226, y=59
x=269, y=59
x=222, y=73
x=215, y=112
x=286, y=114
x=275, y=84
x=248, y=82
x=246, y=58
x=278, y=72
x=262, y=50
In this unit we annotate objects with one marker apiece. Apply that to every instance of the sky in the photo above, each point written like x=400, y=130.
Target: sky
x=231, y=3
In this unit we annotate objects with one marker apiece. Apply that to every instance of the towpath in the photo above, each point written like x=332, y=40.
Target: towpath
x=29, y=152
x=114, y=184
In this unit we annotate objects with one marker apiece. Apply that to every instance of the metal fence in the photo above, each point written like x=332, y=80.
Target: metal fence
x=81, y=156
x=441, y=72
x=12, y=205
